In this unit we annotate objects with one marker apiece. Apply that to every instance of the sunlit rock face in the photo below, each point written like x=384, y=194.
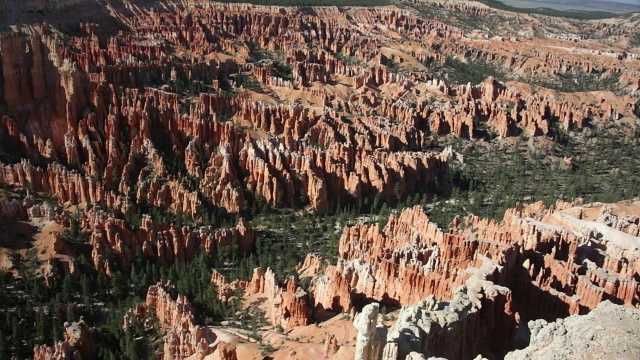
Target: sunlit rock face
x=156, y=122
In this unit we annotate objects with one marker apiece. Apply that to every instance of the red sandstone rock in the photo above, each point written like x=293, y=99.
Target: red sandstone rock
x=287, y=304
x=89, y=118
x=166, y=242
x=78, y=343
x=225, y=351
x=182, y=337
x=538, y=249
x=91, y=126
x=330, y=345
x=479, y=314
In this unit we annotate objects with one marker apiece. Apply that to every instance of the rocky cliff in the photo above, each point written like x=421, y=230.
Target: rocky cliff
x=112, y=239
x=607, y=331
x=541, y=251
x=287, y=305
x=112, y=107
x=163, y=128
x=479, y=318
x=78, y=343
x=182, y=337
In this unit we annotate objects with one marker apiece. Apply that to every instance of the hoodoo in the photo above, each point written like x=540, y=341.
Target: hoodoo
x=321, y=179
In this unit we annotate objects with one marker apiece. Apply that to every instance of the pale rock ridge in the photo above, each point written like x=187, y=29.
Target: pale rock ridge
x=370, y=340
x=478, y=319
x=608, y=331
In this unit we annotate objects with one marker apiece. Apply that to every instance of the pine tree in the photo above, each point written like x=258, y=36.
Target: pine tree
x=67, y=288
x=103, y=283
x=119, y=286
x=17, y=336
x=86, y=290
x=3, y=295
x=40, y=326
x=4, y=350
x=56, y=326
x=135, y=280
x=383, y=216
x=71, y=313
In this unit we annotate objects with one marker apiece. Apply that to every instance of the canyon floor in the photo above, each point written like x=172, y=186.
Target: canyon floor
x=401, y=181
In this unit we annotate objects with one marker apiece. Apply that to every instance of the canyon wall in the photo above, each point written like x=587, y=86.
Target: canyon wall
x=182, y=337
x=287, y=305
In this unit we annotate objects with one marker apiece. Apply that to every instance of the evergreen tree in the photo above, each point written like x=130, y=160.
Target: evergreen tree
x=383, y=216
x=17, y=336
x=40, y=326
x=68, y=288
x=86, y=290
x=4, y=351
x=56, y=325
x=103, y=283
x=71, y=313
x=119, y=286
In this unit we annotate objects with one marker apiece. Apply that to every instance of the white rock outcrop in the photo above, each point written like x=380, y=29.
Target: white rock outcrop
x=608, y=332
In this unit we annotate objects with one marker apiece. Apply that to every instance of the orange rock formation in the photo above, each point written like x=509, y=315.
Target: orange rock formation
x=550, y=258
